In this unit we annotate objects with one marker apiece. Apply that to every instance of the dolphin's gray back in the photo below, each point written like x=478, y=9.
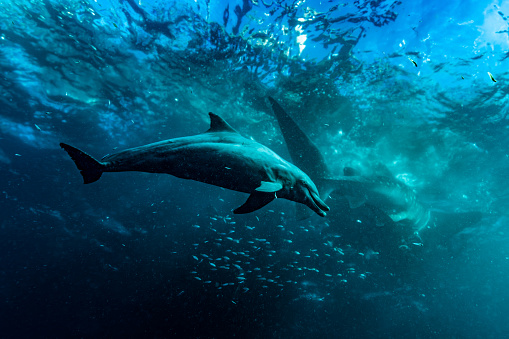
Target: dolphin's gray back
x=304, y=153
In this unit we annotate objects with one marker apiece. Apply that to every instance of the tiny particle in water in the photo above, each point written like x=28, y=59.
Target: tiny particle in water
x=491, y=77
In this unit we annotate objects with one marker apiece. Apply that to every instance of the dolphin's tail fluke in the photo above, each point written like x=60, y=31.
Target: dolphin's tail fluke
x=90, y=168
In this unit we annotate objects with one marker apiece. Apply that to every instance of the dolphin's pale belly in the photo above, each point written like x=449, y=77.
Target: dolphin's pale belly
x=231, y=162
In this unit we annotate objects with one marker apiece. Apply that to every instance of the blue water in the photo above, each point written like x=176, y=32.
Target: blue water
x=399, y=83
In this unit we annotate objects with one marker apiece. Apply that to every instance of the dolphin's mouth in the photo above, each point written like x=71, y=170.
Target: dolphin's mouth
x=317, y=204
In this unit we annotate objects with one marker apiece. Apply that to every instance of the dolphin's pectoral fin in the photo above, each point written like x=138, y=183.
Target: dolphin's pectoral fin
x=255, y=201
x=267, y=186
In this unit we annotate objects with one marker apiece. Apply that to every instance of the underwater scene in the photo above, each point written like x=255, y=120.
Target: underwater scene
x=254, y=169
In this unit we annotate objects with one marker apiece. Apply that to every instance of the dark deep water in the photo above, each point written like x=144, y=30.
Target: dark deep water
x=147, y=255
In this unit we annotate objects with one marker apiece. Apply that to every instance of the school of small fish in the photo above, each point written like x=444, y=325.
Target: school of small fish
x=259, y=259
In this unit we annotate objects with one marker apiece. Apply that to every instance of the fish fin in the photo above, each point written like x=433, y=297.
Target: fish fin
x=218, y=124
x=302, y=212
x=350, y=172
x=355, y=202
x=449, y=224
x=399, y=216
x=382, y=170
x=269, y=187
x=255, y=201
x=90, y=168
x=304, y=153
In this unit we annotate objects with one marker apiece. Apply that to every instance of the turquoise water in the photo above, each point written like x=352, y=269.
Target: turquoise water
x=417, y=87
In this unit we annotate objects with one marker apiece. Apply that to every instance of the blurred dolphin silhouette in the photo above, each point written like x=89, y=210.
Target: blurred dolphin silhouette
x=381, y=190
x=220, y=157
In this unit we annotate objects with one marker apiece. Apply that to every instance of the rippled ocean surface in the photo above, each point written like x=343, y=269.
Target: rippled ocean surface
x=418, y=88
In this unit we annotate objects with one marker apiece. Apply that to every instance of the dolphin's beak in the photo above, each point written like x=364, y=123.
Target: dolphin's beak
x=319, y=202
x=316, y=204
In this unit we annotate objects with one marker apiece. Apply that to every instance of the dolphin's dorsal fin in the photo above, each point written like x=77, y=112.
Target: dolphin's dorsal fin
x=217, y=124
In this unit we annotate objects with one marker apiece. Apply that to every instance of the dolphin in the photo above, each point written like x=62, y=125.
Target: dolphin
x=381, y=190
x=221, y=157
